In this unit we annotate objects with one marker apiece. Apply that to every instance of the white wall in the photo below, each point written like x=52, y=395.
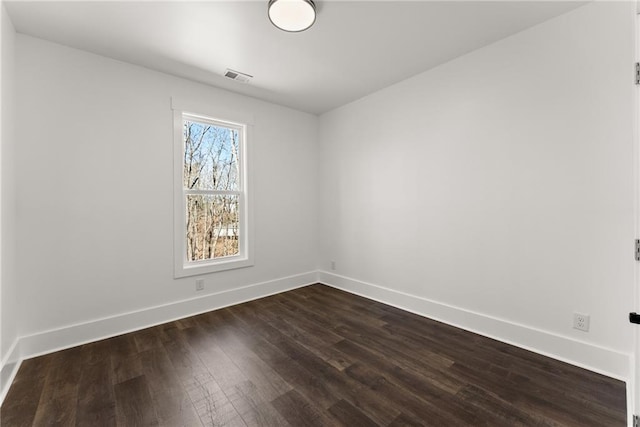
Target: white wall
x=8, y=286
x=497, y=188
x=95, y=198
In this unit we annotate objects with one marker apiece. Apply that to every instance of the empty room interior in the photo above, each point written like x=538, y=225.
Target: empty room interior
x=324, y=213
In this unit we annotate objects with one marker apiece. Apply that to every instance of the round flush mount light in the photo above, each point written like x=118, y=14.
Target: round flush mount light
x=292, y=15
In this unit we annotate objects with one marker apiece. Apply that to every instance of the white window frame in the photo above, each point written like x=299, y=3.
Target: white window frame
x=243, y=123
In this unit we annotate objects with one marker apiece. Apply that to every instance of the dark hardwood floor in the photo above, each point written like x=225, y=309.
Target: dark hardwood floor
x=314, y=356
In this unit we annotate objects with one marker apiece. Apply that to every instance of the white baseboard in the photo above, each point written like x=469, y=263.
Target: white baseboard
x=595, y=358
x=98, y=329
x=9, y=368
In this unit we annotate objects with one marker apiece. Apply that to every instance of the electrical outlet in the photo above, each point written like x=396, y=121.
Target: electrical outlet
x=333, y=265
x=199, y=284
x=581, y=321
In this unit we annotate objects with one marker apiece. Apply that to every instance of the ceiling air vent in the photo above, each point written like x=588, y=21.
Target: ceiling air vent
x=237, y=76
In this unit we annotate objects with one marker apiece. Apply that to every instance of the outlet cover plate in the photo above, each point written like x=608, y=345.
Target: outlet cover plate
x=581, y=322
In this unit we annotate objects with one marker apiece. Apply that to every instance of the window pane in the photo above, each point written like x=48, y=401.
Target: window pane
x=212, y=226
x=210, y=157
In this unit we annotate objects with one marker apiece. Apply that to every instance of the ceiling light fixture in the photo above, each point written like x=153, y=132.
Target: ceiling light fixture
x=292, y=15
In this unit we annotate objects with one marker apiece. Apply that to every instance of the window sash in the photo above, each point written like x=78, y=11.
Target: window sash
x=240, y=128
x=242, y=251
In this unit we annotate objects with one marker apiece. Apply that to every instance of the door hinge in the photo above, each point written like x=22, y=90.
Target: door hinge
x=638, y=80
x=636, y=421
x=637, y=251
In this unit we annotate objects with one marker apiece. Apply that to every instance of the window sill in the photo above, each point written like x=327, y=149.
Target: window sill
x=212, y=267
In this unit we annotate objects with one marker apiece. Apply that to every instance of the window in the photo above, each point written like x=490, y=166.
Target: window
x=211, y=205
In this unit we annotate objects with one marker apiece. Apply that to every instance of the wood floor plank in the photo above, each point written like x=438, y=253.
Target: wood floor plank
x=436, y=373
x=404, y=420
x=429, y=412
x=502, y=412
x=477, y=352
x=268, y=383
x=123, y=368
x=325, y=381
x=312, y=356
x=211, y=403
x=172, y=403
x=124, y=358
x=299, y=304
x=60, y=411
x=298, y=328
x=186, y=363
x=348, y=415
x=63, y=377
x=226, y=373
x=22, y=401
x=420, y=356
x=299, y=411
x=147, y=339
x=134, y=406
x=283, y=359
x=303, y=325
x=326, y=384
x=357, y=315
x=38, y=367
x=253, y=409
x=96, y=400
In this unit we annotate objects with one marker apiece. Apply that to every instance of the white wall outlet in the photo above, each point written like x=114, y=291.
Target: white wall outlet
x=199, y=284
x=333, y=265
x=581, y=321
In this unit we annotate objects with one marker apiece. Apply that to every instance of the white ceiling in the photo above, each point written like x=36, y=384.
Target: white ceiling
x=354, y=48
